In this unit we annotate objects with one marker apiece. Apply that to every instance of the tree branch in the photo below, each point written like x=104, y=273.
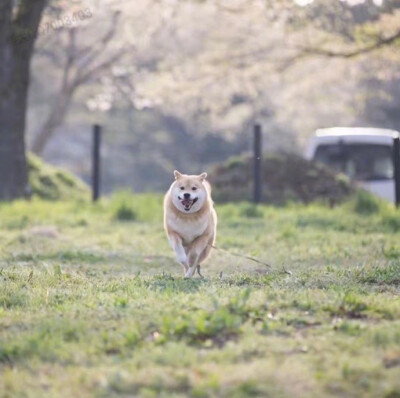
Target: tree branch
x=71, y=55
x=87, y=55
x=51, y=55
x=92, y=72
x=381, y=42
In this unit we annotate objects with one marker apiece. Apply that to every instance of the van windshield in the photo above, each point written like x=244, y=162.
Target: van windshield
x=364, y=162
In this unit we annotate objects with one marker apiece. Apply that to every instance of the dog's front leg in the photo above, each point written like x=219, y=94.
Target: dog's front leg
x=196, y=249
x=176, y=242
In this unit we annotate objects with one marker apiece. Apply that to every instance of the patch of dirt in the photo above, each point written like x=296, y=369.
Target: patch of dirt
x=392, y=360
x=44, y=232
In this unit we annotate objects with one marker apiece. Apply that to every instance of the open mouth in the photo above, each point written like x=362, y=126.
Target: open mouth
x=188, y=203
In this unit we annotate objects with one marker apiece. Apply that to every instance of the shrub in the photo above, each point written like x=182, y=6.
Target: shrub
x=366, y=203
x=285, y=177
x=251, y=211
x=50, y=183
x=123, y=208
x=125, y=213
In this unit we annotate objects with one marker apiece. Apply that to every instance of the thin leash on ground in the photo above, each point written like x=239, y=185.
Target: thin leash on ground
x=255, y=260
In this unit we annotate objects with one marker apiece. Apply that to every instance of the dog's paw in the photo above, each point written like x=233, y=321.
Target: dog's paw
x=190, y=272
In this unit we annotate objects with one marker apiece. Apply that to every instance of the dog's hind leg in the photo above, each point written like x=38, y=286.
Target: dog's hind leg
x=203, y=256
x=191, y=270
x=193, y=264
x=195, y=255
x=198, y=271
x=185, y=267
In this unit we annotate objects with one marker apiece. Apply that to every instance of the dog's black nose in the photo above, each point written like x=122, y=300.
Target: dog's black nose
x=186, y=195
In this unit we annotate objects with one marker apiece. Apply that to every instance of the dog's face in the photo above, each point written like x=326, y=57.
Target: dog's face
x=188, y=192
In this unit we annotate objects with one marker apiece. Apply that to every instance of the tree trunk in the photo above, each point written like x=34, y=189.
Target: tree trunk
x=17, y=36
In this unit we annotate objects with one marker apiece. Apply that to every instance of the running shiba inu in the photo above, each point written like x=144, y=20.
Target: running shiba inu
x=190, y=220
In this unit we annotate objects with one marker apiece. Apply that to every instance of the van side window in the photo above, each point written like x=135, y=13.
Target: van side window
x=363, y=162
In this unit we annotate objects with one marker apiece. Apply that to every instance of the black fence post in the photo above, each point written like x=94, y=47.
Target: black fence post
x=257, y=164
x=396, y=169
x=96, y=162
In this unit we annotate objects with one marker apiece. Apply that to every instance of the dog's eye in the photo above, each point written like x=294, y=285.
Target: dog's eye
x=194, y=188
x=182, y=188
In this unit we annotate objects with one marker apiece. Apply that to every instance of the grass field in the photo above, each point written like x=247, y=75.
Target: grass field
x=92, y=303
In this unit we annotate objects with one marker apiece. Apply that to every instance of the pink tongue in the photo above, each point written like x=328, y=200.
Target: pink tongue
x=186, y=202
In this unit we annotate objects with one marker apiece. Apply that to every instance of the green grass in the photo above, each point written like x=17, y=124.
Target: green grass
x=92, y=303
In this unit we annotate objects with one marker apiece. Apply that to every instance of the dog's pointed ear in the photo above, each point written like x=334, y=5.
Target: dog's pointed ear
x=203, y=176
x=177, y=174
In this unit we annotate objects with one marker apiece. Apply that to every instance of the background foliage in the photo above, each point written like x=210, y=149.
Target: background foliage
x=187, y=80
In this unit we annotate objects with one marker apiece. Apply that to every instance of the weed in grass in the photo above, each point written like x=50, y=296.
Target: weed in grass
x=385, y=337
x=14, y=298
x=350, y=328
x=247, y=389
x=18, y=223
x=391, y=221
x=389, y=274
x=132, y=338
x=393, y=393
x=392, y=253
x=121, y=302
x=202, y=326
x=216, y=327
x=287, y=232
x=351, y=307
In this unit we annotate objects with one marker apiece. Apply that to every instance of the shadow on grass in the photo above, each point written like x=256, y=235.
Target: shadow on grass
x=174, y=284
x=73, y=256
x=177, y=284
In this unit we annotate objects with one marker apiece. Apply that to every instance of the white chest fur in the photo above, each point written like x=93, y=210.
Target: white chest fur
x=188, y=230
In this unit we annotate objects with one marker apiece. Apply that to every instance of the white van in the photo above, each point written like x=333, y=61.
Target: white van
x=364, y=154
